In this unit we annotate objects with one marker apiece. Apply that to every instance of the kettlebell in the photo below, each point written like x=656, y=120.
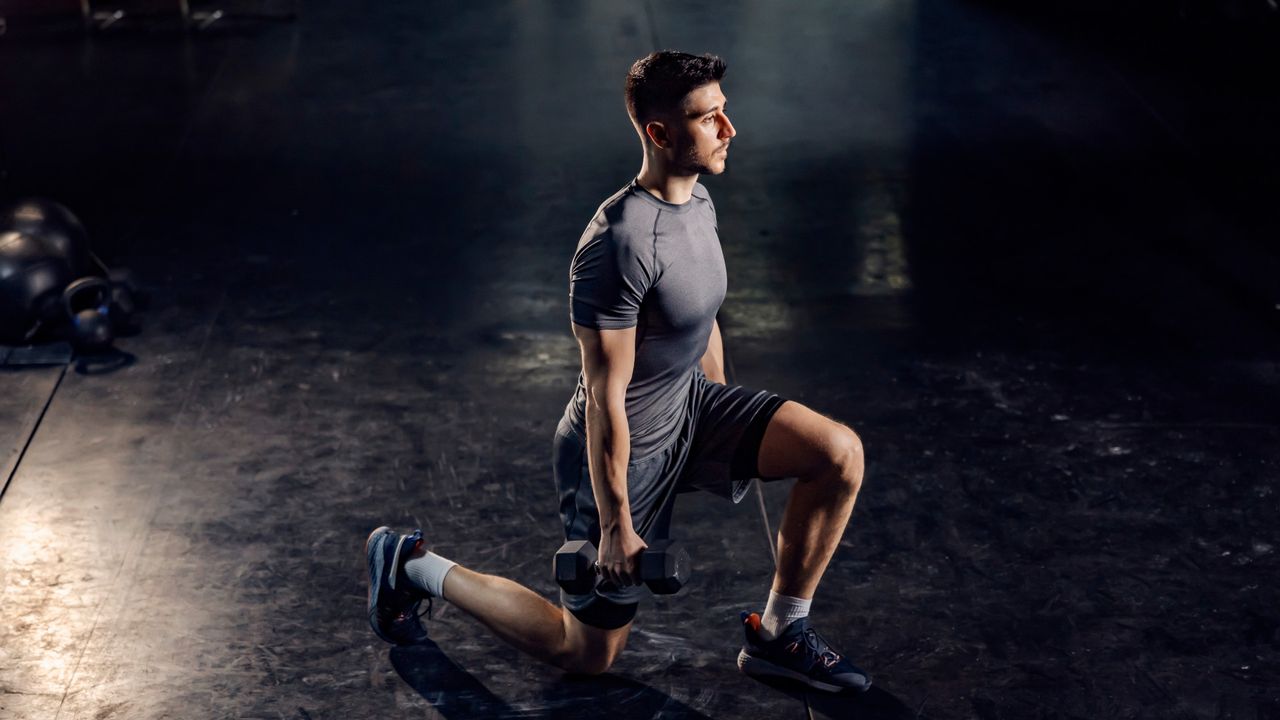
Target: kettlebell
x=88, y=305
x=57, y=226
x=32, y=278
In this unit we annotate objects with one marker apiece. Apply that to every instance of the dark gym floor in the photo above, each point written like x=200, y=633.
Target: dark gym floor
x=1030, y=258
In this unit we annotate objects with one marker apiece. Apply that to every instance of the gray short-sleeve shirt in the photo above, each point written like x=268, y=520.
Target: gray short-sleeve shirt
x=658, y=267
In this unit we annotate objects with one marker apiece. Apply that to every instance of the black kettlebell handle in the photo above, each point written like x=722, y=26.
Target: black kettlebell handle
x=83, y=286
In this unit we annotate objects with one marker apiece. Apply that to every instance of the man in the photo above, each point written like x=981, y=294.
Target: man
x=652, y=417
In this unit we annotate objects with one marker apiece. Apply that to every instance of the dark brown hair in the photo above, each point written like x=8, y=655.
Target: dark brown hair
x=658, y=82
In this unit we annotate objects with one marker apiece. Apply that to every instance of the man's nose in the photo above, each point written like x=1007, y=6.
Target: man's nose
x=726, y=128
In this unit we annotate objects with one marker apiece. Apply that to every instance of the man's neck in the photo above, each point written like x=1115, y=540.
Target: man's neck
x=676, y=189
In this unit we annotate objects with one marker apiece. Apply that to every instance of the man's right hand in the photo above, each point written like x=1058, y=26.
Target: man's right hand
x=619, y=555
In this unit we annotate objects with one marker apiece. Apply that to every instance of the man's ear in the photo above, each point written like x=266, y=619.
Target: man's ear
x=657, y=133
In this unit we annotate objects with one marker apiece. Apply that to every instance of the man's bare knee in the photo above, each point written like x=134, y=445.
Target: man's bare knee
x=589, y=650
x=846, y=457
x=587, y=658
x=588, y=664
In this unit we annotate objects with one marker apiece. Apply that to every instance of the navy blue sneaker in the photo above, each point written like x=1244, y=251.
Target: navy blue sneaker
x=800, y=654
x=393, y=611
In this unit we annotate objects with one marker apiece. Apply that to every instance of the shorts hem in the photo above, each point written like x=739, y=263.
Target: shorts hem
x=602, y=613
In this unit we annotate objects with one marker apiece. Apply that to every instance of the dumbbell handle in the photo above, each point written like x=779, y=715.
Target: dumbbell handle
x=597, y=570
x=595, y=564
x=663, y=566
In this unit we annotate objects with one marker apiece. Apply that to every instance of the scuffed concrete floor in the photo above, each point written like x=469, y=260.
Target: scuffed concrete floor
x=1010, y=259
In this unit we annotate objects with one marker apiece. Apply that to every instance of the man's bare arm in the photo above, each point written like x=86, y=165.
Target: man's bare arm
x=713, y=358
x=608, y=359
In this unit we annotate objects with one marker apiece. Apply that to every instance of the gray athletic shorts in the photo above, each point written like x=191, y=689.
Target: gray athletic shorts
x=716, y=450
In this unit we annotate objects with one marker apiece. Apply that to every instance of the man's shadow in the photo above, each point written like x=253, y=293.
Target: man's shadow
x=456, y=693
x=874, y=704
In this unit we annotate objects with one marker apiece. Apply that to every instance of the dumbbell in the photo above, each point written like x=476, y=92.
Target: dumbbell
x=664, y=567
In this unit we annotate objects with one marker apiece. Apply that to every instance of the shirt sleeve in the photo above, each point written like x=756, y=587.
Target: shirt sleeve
x=609, y=277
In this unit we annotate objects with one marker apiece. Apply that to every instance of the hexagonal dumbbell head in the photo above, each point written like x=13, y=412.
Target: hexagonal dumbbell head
x=575, y=567
x=665, y=567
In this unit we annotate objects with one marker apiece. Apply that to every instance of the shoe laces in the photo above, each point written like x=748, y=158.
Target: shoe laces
x=406, y=606
x=404, y=612
x=412, y=610
x=816, y=648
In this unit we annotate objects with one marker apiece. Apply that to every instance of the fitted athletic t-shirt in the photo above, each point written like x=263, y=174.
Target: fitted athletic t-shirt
x=656, y=266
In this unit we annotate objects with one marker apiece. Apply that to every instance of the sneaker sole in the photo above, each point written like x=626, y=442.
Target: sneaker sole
x=758, y=667
x=374, y=552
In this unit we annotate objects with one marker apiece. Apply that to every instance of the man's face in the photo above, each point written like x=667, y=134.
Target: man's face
x=700, y=138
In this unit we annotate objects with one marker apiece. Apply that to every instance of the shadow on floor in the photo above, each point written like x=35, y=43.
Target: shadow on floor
x=456, y=693
x=874, y=704
x=105, y=362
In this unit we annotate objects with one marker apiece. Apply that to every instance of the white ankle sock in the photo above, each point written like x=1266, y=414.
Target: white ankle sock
x=427, y=573
x=781, y=611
